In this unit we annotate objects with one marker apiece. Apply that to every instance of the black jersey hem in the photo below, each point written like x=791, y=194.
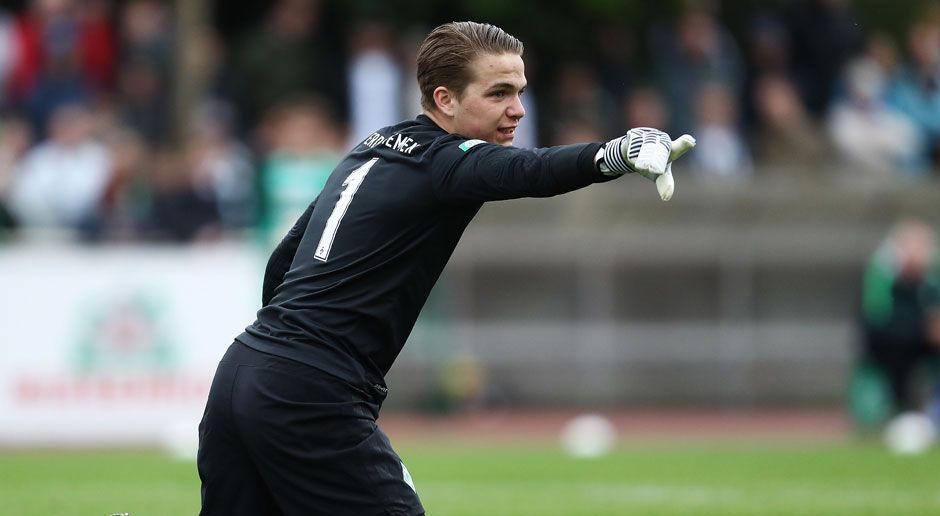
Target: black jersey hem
x=313, y=357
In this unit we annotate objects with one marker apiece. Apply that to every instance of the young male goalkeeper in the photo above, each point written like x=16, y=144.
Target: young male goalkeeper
x=290, y=424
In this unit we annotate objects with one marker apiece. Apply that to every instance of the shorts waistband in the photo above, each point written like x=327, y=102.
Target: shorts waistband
x=240, y=353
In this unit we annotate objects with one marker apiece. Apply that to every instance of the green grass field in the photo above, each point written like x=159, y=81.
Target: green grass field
x=674, y=479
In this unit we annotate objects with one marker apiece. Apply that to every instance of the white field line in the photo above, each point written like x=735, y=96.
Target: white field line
x=693, y=495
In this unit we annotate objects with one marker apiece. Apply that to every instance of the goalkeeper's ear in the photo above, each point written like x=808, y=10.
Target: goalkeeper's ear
x=680, y=146
x=444, y=100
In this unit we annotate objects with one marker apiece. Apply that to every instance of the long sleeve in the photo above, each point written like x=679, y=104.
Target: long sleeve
x=282, y=257
x=481, y=172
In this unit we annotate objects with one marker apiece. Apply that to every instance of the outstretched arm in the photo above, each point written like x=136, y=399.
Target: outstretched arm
x=482, y=172
x=475, y=171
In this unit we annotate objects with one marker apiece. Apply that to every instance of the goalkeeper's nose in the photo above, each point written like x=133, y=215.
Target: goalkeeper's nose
x=516, y=110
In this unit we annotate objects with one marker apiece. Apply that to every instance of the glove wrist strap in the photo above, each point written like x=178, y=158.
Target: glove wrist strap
x=613, y=159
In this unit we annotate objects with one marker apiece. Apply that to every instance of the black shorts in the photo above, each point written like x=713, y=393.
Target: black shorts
x=281, y=437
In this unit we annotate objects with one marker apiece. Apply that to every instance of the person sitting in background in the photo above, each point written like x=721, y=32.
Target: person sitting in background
x=57, y=84
x=65, y=54
x=143, y=100
x=303, y=143
x=575, y=130
x=375, y=80
x=825, y=35
x=60, y=182
x=9, y=53
x=578, y=95
x=767, y=46
x=916, y=89
x=222, y=165
x=645, y=107
x=179, y=211
x=901, y=309
x=147, y=31
x=697, y=51
x=883, y=50
x=286, y=56
x=15, y=139
x=787, y=142
x=144, y=92
x=125, y=198
x=614, y=58
x=725, y=154
x=869, y=134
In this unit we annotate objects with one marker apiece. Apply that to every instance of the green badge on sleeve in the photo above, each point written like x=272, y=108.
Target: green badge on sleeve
x=469, y=144
x=407, y=477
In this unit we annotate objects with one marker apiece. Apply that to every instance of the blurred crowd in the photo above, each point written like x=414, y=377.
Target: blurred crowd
x=95, y=138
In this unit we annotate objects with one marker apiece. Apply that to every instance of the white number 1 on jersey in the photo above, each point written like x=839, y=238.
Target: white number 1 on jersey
x=345, y=197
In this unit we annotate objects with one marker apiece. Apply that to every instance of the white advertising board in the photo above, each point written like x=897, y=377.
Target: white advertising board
x=116, y=346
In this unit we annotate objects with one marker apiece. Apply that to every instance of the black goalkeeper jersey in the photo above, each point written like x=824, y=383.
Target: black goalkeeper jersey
x=343, y=290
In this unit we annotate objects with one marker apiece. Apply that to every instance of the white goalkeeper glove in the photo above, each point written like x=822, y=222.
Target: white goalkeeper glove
x=648, y=152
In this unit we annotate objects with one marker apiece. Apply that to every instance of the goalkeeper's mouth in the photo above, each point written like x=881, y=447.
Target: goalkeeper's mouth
x=507, y=132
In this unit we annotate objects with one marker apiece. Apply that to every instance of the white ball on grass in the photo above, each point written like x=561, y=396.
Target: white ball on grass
x=180, y=439
x=910, y=433
x=588, y=436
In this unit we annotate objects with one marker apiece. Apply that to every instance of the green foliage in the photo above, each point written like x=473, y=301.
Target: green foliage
x=892, y=17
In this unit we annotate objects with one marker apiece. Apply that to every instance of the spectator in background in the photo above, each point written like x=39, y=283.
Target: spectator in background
x=65, y=55
x=143, y=100
x=47, y=73
x=144, y=85
x=223, y=165
x=408, y=42
x=125, y=199
x=901, y=308
x=209, y=58
x=575, y=130
x=579, y=96
x=768, y=54
x=8, y=52
x=180, y=211
x=645, y=107
x=826, y=35
x=882, y=49
x=15, y=139
x=375, y=81
x=60, y=182
x=147, y=30
x=916, y=89
x=697, y=51
x=722, y=152
x=769, y=46
x=96, y=46
x=284, y=58
x=870, y=135
x=304, y=144
x=614, y=59
x=787, y=141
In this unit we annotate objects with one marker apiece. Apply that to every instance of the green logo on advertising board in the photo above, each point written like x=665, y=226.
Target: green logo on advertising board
x=124, y=335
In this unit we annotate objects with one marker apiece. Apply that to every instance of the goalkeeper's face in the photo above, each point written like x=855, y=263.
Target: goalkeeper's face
x=490, y=107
